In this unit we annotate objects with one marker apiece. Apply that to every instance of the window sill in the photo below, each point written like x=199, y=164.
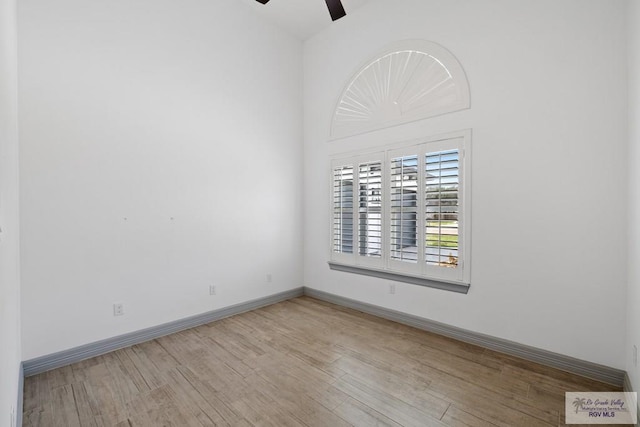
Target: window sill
x=461, y=288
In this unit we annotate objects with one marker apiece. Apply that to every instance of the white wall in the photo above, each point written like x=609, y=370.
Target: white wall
x=9, y=221
x=548, y=96
x=150, y=110
x=633, y=298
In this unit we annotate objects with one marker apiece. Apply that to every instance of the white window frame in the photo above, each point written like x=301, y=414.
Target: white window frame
x=456, y=279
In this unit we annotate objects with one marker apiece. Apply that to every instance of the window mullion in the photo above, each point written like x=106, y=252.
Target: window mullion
x=356, y=209
x=421, y=206
x=386, y=209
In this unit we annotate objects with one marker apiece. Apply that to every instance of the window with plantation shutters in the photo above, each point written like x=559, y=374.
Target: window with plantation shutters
x=370, y=209
x=441, y=191
x=404, y=209
x=343, y=209
x=403, y=214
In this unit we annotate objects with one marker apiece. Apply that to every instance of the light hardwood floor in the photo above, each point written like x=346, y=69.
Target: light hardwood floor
x=301, y=362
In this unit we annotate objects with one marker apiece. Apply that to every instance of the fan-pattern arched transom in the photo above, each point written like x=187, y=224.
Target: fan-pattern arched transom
x=412, y=80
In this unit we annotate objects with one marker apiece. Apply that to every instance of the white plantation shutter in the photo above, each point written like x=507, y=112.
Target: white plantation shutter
x=370, y=209
x=404, y=208
x=343, y=210
x=409, y=216
x=442, y=208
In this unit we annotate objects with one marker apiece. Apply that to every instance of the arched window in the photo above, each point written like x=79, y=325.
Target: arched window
x=411, y=80
x=403, y=212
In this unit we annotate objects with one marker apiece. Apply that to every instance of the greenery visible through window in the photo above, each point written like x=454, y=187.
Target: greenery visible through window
x=442, y=183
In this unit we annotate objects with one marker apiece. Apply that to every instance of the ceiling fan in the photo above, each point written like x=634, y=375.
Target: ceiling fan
x=335, y=8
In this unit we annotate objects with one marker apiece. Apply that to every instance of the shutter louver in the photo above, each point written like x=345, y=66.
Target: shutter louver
x=370, y=209
x=404, y=208
x=442, y=208
x=343, y=209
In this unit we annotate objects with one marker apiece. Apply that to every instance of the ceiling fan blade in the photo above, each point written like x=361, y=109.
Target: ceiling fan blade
x=335, y=9
x=263, y=1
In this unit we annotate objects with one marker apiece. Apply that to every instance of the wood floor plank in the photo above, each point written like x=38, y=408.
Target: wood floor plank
x=222, y=401
x=261, y=410
x=204, y=409
x=457, y=417
x=490, y=405
x=65, y=412
x=359, y=414
x=161, y=360
x=148, y=370
x=105, y=399
x=60, y=377
x=37, y=393
x=124, y=385
x=302, y=363
x=86, y=414
x=298, y=371
x=89, y=369
x=128, y=368
x=328, y=396
x=38, y=416
x=296, y=401
x=407, y=388
x=388, y=405
x=218, y=352
x=141, y=410
x=173, y=407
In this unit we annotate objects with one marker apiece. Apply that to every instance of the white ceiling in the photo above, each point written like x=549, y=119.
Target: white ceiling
x=302, y=18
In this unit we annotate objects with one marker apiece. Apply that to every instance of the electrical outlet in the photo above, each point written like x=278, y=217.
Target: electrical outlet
x=118, y=309
x=269, y=278
x=212, y=290
x=392, y=289
x=12, y=416
x=635, y=355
